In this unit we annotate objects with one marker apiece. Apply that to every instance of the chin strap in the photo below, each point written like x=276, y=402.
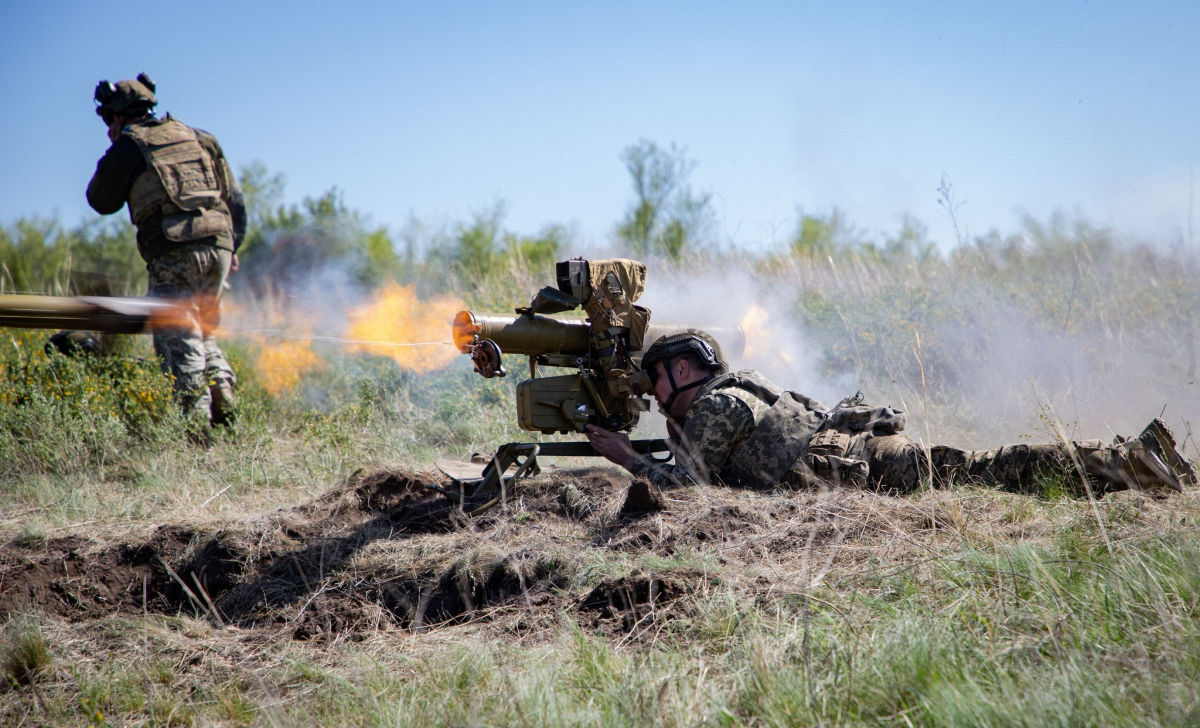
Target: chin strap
x=666, y=408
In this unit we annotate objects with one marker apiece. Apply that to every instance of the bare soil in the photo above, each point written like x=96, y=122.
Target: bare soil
x=386, y=551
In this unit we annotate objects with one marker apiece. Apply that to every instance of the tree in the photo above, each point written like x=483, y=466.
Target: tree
x=821, y=236
x=667, y=216
x=290, y=247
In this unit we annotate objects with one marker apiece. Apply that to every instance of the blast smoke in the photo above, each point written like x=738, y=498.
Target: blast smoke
x=302, y=318
x=775, y=345
x=979, y=352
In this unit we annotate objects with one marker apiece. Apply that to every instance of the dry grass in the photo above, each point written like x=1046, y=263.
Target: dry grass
x=375, y=591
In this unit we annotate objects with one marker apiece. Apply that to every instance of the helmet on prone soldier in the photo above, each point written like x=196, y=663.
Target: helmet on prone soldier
x=700, y=344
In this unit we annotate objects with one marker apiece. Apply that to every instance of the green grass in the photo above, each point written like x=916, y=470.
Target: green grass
x=1044, y=611
x=25, y=653
x=1055, y=631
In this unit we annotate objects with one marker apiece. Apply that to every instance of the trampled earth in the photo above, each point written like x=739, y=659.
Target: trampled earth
x=387, y=552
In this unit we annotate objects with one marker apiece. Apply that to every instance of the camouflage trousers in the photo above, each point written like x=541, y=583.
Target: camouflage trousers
x=193, y=275
x=1149, y=461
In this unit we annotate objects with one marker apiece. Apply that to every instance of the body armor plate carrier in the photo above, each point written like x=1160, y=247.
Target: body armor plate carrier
x=181, y=182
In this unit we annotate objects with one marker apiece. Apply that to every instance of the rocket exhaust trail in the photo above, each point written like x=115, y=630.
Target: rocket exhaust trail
x=108, y=314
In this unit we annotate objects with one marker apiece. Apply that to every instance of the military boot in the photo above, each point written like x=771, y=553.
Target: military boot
x=1159, y=439
x=1127, y=464
x=224, y=403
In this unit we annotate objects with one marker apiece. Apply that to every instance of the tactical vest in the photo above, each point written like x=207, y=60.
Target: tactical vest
x=181, y=182
x=797, y=439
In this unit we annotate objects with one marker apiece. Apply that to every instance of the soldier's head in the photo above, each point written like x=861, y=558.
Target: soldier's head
x=680, y=362
x=128, y=100
x=73, y=343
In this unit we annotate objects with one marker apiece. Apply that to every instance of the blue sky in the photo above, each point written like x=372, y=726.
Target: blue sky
x=439, y=110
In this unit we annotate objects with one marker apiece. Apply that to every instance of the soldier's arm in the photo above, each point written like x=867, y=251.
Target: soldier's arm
x=715, y=426
x=114, y=176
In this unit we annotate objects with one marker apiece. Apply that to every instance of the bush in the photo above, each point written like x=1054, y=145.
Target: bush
x=60, y=413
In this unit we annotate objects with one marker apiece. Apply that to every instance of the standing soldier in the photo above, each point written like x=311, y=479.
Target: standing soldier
x=190, y=218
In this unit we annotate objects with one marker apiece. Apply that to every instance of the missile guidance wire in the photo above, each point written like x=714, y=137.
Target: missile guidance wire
x=283, y=335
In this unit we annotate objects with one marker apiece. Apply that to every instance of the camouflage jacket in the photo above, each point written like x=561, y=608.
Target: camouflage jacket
x=721, y=424
x=741, y=429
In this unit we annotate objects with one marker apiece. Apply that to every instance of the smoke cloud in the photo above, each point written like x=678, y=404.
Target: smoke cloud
x=1094, y=344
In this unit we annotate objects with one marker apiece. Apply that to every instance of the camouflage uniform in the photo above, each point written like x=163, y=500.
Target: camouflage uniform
x=190, y=218
x=741, y=429
x=194, y=274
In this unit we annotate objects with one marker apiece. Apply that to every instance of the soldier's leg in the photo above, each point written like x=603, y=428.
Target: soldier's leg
x=1148, y=462
x=1021, y=468
x=217, y=371
x=1158, y=439
x=177, y=275
x=894, y=462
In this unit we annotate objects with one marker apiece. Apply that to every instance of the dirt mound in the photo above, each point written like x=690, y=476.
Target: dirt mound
x=387, y=550
x=234, y=574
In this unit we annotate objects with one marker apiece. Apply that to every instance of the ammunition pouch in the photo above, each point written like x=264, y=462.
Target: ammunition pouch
x=829, y=442
x=186, y=226
x=814, y=470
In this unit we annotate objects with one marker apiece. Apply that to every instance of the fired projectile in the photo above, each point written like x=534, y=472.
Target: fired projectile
x=107, y=314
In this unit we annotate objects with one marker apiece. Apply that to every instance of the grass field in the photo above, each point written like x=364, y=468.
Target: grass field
x=298, y=570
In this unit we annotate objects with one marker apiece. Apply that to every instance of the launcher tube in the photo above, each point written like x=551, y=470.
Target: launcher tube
x=529, y=334
x=534, y=334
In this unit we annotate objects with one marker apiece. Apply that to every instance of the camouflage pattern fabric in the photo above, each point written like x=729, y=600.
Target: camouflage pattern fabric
x=194, y=275
x=781, y=437
x=731, y=435
x=860, y=446
x=718, y=421
x=896, y=463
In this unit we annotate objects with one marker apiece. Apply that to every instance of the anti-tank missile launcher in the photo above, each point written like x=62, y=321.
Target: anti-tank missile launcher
x=607, y=386
x=605, y=348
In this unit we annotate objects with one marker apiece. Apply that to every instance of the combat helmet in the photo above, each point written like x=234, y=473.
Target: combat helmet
x=687, y=341
x=681, y=343
x=125, y=98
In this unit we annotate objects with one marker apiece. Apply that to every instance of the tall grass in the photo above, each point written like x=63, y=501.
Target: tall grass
x=1060, y=615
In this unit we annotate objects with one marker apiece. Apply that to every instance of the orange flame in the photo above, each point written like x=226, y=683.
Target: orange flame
x=281, y=365
x=760, y=339
x=413, y=332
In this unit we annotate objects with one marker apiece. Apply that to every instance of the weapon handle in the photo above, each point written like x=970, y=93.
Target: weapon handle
x=585, y=449
x=494, y=476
